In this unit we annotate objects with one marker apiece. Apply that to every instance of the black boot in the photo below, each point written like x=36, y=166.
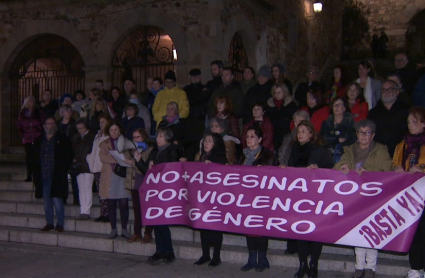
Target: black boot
x=252, y=261
x=313, y=271
x=215, y=261
x=263, y=263
x=202, y=260
x=302, y=270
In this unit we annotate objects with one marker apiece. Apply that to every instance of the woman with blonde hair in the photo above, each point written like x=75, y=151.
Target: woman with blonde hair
x=30, y=126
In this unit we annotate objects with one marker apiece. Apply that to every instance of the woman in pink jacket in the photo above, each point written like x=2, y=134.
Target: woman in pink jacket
x=30, y=126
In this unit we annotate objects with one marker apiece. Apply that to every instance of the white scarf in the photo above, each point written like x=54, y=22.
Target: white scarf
x=367, y=92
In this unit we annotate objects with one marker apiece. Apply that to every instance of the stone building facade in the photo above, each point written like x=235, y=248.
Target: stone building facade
x=403, y=22
x=201, y=31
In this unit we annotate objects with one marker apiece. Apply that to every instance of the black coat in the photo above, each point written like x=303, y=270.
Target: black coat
x=302, y=90
x=82, y=147
x=391, y=125
x=257, y=93
x=71, y=130
x=198, y=100
x=215, y=157
x=345, y=129
x=281, y=120
x=50, y=109
x=63, y=159
x=264, y=158
x=170, y=154
x=130, y=125
x=309, y=153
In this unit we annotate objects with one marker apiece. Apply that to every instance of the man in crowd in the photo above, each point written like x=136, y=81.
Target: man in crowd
x=196, y=95
x=170, y=93
x=260, y=92
x=401, y=65
x=248, y=79
x=216, y=71
x=53, y=151
x=311, y=84
x=48, y=105
x=102, y=91
x=229, y=88
x=390, y=116
x=129, y=87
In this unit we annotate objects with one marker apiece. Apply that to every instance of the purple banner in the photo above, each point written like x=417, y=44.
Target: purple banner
x=376, y=210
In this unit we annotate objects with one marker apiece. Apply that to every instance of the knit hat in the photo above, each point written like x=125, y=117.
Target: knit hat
x=170, y=75
x=195, y=72
x=264, y=71
x=280, y=66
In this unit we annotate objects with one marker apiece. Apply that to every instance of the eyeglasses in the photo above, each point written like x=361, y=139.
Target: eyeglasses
x=50, y=124
x=364, y=133
x=337, y=105
x=389, y=90
x=137, y=137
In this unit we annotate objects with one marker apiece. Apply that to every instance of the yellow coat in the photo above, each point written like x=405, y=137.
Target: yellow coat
x=399, y=153
x=159, y=108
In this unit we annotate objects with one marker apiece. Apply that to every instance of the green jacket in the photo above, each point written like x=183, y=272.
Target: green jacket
x=378, y=160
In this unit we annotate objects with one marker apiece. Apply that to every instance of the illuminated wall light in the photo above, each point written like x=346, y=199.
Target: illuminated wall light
x=317, y=7
x=175, y=54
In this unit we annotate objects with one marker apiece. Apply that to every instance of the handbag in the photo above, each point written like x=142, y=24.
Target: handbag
x=120, y=171
x=75, y=169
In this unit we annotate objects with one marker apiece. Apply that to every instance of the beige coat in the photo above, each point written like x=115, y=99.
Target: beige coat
x=131, y=171
x=106, y=170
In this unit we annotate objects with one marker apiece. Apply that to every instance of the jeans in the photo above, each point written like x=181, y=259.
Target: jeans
x=85, y=193
x=49, y=202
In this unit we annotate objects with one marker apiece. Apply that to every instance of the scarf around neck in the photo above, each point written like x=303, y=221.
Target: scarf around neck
x=251, y=155
x=360, y=155
x=414, y=144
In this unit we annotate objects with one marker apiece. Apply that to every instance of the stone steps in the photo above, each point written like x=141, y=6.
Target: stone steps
x=184, y=250
x=21, y=215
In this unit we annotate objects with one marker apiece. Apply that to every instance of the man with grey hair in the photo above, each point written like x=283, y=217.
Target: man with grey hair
x=53, y=151
x=311, y=84
x=390, y=116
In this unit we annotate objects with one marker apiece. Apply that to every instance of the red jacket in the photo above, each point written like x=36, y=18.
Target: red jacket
x=360, y=110
x=30, y=127
x=267, y=129
x=317, y=119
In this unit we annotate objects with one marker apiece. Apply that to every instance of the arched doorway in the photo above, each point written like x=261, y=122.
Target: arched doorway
x=47, y=62
x=238, y=57
x=145, y=52
x=415, y=37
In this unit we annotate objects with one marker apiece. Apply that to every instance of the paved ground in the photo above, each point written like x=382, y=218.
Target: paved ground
x=36, y=261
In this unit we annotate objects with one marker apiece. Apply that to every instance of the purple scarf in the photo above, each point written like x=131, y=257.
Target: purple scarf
x=414, y=144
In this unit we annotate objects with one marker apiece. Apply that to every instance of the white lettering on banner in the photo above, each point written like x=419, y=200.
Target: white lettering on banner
x=347, y=187
x=390, y=220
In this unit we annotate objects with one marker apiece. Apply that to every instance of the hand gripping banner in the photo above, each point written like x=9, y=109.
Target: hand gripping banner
x=375, y=210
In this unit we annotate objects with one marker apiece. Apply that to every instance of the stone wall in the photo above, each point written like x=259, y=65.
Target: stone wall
x=393, y=16
x=272, y=31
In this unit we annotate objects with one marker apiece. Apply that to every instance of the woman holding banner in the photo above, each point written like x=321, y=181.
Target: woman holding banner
x=212, y=150
x=409, y=156
x=365, y=155
x=256, y=155
x=308, y=151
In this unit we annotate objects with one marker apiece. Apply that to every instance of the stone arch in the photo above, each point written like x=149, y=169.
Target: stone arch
x=142, y=17
x=410, y=11
x=241, y=24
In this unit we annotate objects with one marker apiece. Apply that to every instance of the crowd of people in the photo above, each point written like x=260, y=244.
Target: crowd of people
x=364, y=124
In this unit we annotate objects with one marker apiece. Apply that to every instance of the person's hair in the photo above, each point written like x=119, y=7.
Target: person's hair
x=230, y=69
x=167, y=132
x=83, y=121
x=315, y=138
x=318, y=96
x=64, y=96
x=402, y=53
x=365, y=123
x=28, y=98
x=257, y=132
x=394, y=74
x=115, y=88
x=95, y=91
x=252, y=70
x=345, y=76
x=418, y=113
x=222, y=123
x=344, y=102
x=175, y=105
x=219, y=147
x=110, y=124
x=104, y=105
x=158, y=79
x=47, y=90
x=99, y=81
x=79, y=92
x=134, y=93
x=63, y=108
x=145, y=135
x=282, y=86
x=359, y=90
x=369, y=66
x=316, y=69
x=281, y=74
x=133, y=106
x=259, y=104
x=302, y=114
x=49, y=118
x=104, y=116
x=228, y=104
x=130, y=79
x=219, y=63
x=392, y=82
